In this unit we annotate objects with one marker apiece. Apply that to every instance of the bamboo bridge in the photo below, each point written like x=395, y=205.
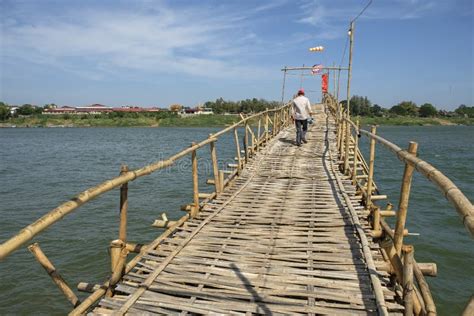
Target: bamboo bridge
x=287, y=230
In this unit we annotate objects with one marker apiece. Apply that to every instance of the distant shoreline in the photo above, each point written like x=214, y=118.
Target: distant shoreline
x=206, y=121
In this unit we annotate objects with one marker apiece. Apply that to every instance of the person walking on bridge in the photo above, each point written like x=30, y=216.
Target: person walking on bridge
x=301, y=112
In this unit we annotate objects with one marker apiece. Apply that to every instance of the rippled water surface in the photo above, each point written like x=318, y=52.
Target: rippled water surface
x=41, y=168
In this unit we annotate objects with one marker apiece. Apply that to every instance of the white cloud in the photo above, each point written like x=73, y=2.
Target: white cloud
x=155, y=38
x=330, y=18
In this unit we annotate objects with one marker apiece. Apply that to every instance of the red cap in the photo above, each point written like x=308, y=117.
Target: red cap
x=300, y=91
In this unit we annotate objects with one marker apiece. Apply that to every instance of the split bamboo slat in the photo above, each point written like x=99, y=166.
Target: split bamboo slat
x=286, y=237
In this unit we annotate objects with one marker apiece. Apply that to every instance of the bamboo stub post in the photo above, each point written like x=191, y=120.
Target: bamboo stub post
x=221, y=180
x=215, y=167
x=195, y=209
x=53, y=273
x=370, y=179
x=404, y=197
x=408, y=280
x=123, y=206
x=258, y=132
x=118, y=253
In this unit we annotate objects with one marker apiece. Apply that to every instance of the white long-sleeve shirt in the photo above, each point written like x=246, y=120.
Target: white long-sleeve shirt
x=301, y=108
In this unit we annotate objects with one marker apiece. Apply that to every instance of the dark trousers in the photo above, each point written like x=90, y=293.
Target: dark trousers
x=301, y=128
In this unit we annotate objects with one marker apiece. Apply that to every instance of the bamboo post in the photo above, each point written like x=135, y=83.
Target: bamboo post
x=404, y=197
x=370, y=179
x=237, y=146
x=266, y=125
x=408, y=280
x=246, y=143
x=53, y=273
x=221, y=180
x=123, y=207
x=258, y=132
x=195, y=209
x=346, y=145
x=356, y=151
x=215, y=167
x=274, y=129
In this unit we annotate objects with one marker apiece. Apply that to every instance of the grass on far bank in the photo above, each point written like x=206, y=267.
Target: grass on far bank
x=215, y=120
x=108, y=121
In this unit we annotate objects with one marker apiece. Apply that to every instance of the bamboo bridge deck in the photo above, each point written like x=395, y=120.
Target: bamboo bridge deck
x=287, y=237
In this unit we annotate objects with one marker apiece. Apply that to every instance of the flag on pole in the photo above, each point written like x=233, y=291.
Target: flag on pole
x=317, y=69
x=325, y=78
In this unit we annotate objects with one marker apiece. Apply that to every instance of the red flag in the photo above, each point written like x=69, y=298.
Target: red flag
x=325, y=78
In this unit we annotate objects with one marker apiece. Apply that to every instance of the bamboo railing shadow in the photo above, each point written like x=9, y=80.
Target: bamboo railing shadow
x=408, y=274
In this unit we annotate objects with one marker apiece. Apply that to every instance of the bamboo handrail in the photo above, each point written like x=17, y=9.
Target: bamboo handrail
x=66, y=208
x=462, y=204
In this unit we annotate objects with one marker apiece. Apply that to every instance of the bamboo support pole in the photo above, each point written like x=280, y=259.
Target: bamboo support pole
x=53, y=273
x=194, y=163
x=404, y=197
x=237, y=147
x=266, y=125
x=424, y=288
x=123, y=207
x=347, y=145
x=258, y=133
x=246, y=144
x=115, y=249
x=398, y=269
x=215, y=167
x=408, y=286
x=370, y=180
x=356, y=153
x=120, y=264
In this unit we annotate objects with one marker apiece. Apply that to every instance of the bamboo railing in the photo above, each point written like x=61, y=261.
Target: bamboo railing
x=400, y=257
x=272, y=121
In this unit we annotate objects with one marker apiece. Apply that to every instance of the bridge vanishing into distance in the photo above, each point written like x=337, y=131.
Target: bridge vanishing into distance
x=287, y=230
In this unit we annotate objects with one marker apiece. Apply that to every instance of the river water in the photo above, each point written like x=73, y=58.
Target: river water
x=41, y=168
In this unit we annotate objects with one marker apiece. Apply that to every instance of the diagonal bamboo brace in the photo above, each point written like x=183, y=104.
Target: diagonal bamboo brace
x=54, y=274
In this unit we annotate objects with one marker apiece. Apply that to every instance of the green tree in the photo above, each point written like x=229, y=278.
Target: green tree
x=405, y=108
x=427, y=110
x=465, y=110
x=4, y=111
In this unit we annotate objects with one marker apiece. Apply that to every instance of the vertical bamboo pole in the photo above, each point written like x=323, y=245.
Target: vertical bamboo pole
x=55, y=276
x=376, y=220
x=195, y=208
x=115, y=249
x=408, y=280
x=347, y=143
x=237, y=146
x=266, y=125
x=356, y=151
x=123, y=207
x=404, y=197
x=246, y=143
x=370, y=179
x=274, y=131
x=258, y=132
x=215, y=167
x=343, y=134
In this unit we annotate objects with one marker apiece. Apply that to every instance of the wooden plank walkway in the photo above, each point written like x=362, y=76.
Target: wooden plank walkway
x=281, y=240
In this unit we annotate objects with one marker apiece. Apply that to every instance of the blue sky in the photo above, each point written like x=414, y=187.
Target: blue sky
x=155, y=53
